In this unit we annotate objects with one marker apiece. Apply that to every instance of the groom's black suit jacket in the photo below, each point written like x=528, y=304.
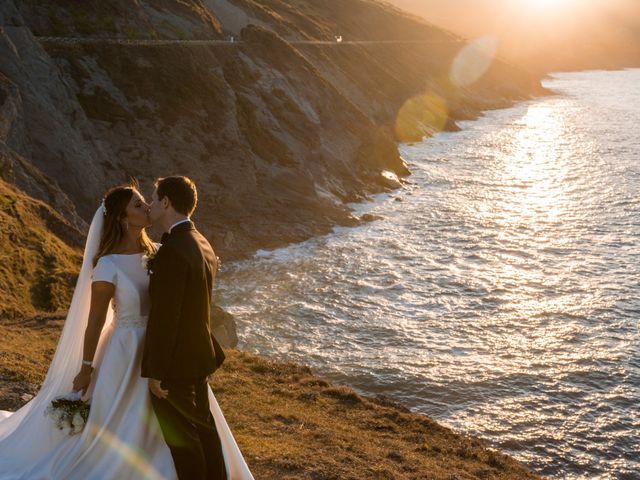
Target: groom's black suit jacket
x=179, y=343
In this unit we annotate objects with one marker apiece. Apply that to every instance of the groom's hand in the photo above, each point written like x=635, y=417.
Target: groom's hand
x=156, y=389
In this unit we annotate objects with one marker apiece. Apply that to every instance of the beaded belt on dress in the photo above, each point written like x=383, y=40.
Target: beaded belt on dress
x=134, y=321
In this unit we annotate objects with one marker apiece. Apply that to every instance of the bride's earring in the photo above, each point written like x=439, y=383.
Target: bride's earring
x=125, y=225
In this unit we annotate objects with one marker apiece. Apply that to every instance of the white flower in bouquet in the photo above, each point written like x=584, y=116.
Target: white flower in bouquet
x=78, y=422
x=58, y=417
x=55, y=414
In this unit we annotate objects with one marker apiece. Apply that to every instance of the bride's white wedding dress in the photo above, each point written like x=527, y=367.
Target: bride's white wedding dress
x=122, y=438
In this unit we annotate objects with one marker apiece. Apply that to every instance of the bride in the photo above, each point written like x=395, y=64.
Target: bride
x=122, y=438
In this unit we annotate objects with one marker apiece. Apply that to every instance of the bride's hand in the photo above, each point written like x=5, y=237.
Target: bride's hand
x=82, y=380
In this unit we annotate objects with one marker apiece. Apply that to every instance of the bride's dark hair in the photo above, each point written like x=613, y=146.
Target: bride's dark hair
x=115, y=202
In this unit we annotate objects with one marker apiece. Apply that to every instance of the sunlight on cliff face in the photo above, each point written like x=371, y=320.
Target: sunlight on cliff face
x=473, y=61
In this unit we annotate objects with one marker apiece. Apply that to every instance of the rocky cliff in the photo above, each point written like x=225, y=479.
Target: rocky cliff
x=280, y=128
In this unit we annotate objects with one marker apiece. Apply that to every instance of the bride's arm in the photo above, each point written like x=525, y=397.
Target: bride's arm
x=101, y=295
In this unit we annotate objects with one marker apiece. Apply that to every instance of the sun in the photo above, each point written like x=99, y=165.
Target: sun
x=546, y=4
x=541, y=3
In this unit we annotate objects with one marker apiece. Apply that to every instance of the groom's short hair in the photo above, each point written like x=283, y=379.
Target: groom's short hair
x=181, y=192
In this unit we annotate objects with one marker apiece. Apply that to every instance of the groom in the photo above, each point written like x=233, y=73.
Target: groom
x=179, y=351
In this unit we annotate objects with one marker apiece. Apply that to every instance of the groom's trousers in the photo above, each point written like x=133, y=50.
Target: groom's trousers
x=190, y=430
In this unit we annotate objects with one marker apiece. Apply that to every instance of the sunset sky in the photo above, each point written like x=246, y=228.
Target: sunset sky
x=534, y=31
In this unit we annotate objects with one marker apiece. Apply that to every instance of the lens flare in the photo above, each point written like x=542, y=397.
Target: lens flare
x=134, y=456
x=421, y=116
x=473, y=61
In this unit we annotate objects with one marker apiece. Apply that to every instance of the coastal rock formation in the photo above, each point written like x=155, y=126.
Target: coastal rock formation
x=280, y=128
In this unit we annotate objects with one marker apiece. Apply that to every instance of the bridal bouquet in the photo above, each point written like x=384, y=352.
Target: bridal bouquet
x=68, y=412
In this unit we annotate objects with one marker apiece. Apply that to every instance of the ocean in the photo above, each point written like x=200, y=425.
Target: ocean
x=499, y=291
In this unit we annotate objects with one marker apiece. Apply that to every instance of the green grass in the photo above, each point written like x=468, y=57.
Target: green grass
x=37, y=268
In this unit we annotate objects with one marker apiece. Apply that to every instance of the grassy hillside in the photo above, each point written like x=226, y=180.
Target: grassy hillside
x=291, y=424
x=39, y=256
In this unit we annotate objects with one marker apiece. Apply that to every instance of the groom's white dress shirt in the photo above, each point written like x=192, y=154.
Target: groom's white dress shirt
x=178, y=223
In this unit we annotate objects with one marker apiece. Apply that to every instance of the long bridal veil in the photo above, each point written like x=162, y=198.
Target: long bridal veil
x=26, y=433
